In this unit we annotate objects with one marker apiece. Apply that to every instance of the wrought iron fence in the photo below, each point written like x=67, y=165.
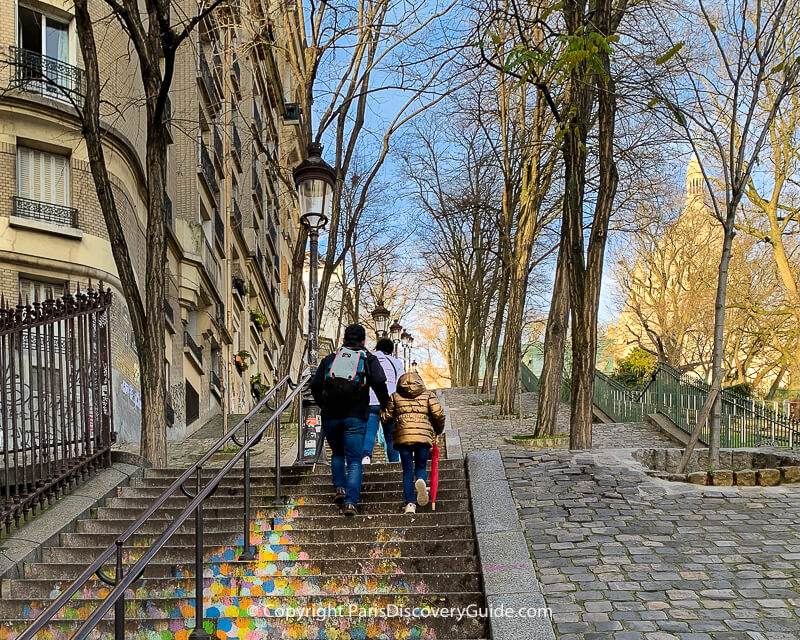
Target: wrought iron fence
x=237, y=142
x=218, y=148
x=188, y=341
x=219, y=227
x=48, y=76
x=45, y=212
x=207, y=79
x=55, y=398
x=207, y=167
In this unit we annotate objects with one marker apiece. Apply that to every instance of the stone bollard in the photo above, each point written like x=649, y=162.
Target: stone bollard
x=722, y=478
x=790, y=474
x=698, y=477
x=745, y=478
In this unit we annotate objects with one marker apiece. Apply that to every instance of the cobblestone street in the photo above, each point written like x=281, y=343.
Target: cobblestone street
x=622, y=556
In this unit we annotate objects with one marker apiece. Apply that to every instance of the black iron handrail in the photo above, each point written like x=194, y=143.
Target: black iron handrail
x=50, y=212
x=122, y=581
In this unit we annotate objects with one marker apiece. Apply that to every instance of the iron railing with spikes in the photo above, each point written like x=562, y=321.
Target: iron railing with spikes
x=55, y=397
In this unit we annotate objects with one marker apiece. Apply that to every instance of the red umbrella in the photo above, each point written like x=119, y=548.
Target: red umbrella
x=434, y=475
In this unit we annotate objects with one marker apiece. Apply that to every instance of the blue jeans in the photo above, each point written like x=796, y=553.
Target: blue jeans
x=415, y=459
x=372, y=432
x=346, y=439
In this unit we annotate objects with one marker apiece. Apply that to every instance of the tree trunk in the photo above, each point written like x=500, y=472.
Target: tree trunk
x=508, y=373
x=555, y=341
x=497, y=329
x=719, y=334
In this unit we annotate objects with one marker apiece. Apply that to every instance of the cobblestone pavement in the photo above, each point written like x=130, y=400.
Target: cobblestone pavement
x=479, y=427
x=622, y=556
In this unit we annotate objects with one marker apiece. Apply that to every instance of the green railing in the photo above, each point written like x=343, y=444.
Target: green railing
x=744, y=421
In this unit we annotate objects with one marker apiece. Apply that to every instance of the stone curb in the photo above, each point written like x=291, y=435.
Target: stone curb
x=452, y=439
x=509, y=576
x=25, y=544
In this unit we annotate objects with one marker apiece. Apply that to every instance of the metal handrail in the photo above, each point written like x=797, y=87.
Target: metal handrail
x=120, y=582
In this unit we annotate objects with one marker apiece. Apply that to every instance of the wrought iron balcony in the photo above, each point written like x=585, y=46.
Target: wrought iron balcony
x=55, y=214
x=277, y=262
x=272, y=233
x=190, y=344
x=215, y=381
x=210, y=263
x=48, y=76
x=207, y=167
x=260, y=259
x=208, y=80
x=257, y=186
x=237, y=143
x=218, y=148
x=257, y=120
x=168, y=313
x=219, y=227
x=237, y=72
x=237, y=213
x=168, y=211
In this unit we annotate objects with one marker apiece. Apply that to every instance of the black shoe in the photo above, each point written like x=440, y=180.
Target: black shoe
x=350, y=510
x=340, y=496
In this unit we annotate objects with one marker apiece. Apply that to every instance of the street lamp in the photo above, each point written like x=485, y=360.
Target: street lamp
x=380, y=316
x=414, y=366
x=314, y=179
x=394, y=332
x=404, y=342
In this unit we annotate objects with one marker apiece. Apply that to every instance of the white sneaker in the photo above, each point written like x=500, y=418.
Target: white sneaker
x=411, y=508
x=422, y=492
x=366, y=460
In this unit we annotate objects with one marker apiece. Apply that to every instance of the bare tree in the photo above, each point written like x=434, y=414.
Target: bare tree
x=725, y=91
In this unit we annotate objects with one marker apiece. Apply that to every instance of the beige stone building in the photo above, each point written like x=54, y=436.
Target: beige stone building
x=234, y=123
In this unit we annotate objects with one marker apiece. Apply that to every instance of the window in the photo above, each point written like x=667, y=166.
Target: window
x=45, y=52
x=37, y=290
x=42, y=176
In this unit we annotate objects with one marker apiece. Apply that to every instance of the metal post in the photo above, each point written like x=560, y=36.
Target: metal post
x=198, y=633
x=247, y=554
x=277, y=499
x=313, y=323
x=119, y=605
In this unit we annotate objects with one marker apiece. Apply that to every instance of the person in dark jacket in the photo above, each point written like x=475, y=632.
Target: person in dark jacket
x=344, y=423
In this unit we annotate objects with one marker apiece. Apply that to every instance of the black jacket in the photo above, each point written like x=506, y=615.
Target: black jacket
x=376, y=379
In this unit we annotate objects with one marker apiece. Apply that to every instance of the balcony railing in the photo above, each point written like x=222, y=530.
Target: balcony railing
x=237, y=143
x=272, y=233
x=260, y=259
x=237, y=72
x=257, y=186
x=215, y=381
x=237, y=214
x=168, y=313
x=219, y=227
x=208, y=79
x=48, y=76
x=190, y=344
x=55, y=214
x=277, y=263
x=218, y=148
x=210, y=263
x=168, y=212
x=207, y=167
x=257, y=120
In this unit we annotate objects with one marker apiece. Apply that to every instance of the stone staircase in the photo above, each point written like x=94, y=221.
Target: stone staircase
x=307, y=556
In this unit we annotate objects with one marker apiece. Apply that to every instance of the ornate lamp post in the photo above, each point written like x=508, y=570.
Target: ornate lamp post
x=380, y=315
x=410, y=347
x=414, y=366
x=314, y=179
x=394, y=332
x=404, y=342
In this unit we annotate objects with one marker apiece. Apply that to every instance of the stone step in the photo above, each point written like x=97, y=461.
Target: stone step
x=264, y=503
x=172, y=553
x=157, y=525
x=320, y=495
x=268, y=628
x=303, y=471
x=447, y=564
x=297, y=536
x=337, y=584
x=324, y=487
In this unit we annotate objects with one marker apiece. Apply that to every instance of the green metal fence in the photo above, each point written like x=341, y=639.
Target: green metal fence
x=745, y=422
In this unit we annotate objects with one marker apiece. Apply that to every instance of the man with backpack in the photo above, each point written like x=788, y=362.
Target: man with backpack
x=393, y=368
x=341, y=388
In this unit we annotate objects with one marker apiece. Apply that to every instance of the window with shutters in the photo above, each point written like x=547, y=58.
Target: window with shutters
x=43, y=181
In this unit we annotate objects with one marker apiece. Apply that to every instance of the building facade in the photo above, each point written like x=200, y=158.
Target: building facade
x=233, y=120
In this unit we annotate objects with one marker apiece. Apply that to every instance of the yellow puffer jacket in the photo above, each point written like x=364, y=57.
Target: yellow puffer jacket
x=416, y=412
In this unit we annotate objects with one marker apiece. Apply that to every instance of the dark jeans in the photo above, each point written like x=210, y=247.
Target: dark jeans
x=346, y=439
x=372, y=433
x=415, y=459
